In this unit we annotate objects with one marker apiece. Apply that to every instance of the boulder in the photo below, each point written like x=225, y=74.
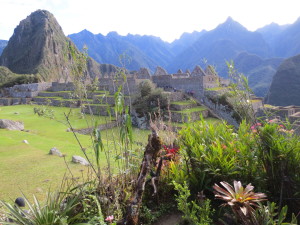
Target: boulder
x=55, y=151
x=80, y=160
x=11, y=125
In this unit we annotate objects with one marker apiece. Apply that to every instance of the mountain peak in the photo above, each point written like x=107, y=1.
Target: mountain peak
x=229, y=20
x=230, y=25
x=112, y=34
x=39, y=46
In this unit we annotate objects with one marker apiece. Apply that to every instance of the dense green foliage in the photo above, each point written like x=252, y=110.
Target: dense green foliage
x=150, y=100
x=266, y=155
x=9, y=79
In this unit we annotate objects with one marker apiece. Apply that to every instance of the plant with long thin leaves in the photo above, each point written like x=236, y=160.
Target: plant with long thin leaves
x=57, y=210
x=242, y=201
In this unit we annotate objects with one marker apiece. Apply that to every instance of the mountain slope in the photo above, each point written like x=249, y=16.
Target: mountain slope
x=39, y=46
x=284, y=40
x=270, y=33
x=185, y=41
x=221, y=44
x=287, y=44
x=3, y=44
x=285, y=87
x=142, y=51
x=259, y=71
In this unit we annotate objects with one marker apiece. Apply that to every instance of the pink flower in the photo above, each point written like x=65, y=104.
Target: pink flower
x=109, y=218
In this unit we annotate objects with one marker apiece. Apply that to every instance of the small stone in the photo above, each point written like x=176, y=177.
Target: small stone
x=55, y=151
x=26, y=142
x=68, y=130
x=80, y=160
x=20, y=202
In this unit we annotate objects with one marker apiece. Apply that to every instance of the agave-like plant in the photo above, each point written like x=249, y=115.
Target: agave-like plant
x=242, y=201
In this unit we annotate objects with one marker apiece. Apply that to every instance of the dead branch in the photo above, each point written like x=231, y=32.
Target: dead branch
x=150, y=155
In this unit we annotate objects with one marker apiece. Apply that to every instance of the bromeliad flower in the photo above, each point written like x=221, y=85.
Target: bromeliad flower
x=242, y=200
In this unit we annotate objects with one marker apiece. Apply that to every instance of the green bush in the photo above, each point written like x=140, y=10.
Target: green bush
x=266, y=155
x=20, y=79
x=150, y=100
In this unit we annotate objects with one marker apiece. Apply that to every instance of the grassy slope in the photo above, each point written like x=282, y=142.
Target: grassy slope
x=29, y=167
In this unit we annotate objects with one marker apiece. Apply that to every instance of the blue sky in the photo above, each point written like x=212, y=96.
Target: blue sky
x=167, y=19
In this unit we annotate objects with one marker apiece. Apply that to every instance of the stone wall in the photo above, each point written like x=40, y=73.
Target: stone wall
x=129, y=87
x=210, y=81
x=257, y=104
x=186, y=118
x=62, y=86
x=185, y=84
x=175, y=96
x=27, y=90
x=220, y=110
x=100, y=127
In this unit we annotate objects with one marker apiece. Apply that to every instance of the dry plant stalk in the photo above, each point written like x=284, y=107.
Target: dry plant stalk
x=153, y=147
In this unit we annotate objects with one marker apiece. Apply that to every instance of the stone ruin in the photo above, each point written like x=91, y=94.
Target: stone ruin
x=189, y=82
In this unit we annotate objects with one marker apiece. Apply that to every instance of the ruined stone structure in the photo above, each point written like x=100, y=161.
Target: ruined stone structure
x=143, y=73
x=282, y=113
x=194, y=82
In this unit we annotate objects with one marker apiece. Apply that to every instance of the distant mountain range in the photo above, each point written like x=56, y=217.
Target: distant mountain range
x=256, y=54
x=260, y=71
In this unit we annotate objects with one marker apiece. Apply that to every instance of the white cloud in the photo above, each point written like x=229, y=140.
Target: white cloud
x=165, y=18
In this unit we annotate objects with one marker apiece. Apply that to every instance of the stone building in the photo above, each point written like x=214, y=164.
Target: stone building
x=194, y=82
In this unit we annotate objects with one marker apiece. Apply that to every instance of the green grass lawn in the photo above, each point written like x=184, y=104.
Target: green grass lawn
x=188, y=102
x=208, y=120
x=215, y=89
x=194, y=109
x=28, y=167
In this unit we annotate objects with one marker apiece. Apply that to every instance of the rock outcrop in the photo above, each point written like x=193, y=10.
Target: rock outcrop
x=11, y=125
x=39, y=46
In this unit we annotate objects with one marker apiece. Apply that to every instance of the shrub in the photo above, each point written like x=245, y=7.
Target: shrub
x=19, y=79
x=263, y=154
x=150, y=100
